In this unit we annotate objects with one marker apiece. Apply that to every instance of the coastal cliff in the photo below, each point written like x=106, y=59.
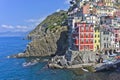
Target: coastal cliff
x=49, y=37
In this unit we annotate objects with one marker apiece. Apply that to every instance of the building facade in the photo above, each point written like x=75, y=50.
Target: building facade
x=94, y=25
x=117, y=37
x=108, y=3
x=83, y=37
x=96, y=39
x=105, y=38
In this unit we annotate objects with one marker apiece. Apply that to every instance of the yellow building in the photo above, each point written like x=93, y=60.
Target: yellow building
x=108, y=3
x=96, y=38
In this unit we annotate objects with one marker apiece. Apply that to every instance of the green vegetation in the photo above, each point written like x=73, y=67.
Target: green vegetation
x=57, y=19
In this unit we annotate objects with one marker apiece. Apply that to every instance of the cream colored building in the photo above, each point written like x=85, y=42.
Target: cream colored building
x=108, y=3
x=105, y=11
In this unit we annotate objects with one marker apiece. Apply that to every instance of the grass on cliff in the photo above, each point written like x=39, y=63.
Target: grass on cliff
x=52, y=21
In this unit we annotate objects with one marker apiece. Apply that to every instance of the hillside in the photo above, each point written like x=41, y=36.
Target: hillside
x=52, y=21
x=49, y=37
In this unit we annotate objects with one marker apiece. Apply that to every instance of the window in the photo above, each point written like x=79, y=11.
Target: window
x=87, y=28
x=107, y=32
x=104, y=45
x=104, y=38
x=91, y=28
x=86, y=40
x=95, y=41
x=107, y=45
x=116, y=35
x=82, y=41
x=86, y=35
x=95, y=30
x=98, y=35
x=99, y=41
x=97, y=46
x=107, y=38
x=82, y=28
x=116, y=40
x=104, y=32
x=91, y=40
x=87, y=46
x=91, y=35
x=82, y=35
x=95, y=35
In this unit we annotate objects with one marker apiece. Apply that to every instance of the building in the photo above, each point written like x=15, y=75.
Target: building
x=105, y=38
x=112, y=40
x=117, y=37
x=105, y=11
x=94, y=25
x=117, y=13
x=83, y=37
x=116, y=22
x=86, y=8
x=108, y=3
x=92, y=19
x=96, y=38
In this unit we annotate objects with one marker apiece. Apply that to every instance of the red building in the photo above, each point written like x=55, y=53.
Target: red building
x=83, y=36
x=117, y=37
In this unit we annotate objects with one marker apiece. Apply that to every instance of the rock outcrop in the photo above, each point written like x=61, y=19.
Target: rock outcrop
x=49, y=37
x=51, y=43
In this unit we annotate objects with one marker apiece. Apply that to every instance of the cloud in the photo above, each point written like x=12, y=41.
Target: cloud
x=58, y=10
x=35, y=22
x=17, y=28
x=7, y=26
x=67, y=1
x=22, y=28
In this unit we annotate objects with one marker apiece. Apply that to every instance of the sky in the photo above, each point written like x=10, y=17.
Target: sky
x=22, y=16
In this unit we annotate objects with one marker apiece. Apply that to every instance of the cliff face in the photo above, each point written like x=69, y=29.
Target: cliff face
x=49, y=37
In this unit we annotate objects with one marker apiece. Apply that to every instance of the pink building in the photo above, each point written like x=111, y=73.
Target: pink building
x=117, y=37
x=83, y=36
x=117, y=13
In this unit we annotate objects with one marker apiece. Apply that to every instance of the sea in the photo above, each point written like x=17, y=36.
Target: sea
x=13, y=69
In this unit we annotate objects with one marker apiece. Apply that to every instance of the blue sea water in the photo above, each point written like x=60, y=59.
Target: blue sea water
x=12, y=68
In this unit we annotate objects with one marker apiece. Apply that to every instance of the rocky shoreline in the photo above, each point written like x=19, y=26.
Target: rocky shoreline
x=99, y=62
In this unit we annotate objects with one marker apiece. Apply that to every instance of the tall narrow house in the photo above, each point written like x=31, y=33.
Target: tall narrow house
x=83, y=37
x=96, y=38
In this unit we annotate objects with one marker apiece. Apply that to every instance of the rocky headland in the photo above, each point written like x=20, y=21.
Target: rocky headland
x=50, y=37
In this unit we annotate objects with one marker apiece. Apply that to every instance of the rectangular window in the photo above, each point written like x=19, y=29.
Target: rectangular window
x=82, y=28
x=87, y=28
x=107, y=38
x=91, y=40
x=91, y=28
x=95, y=41
x=98, y=35
x=82, y=41
x=95, y=35
x=91, y=35
x=104, y=38
x=104, y=45
x=86, y=40
x=81, y=35
x=87, y=35
x=116, y=35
